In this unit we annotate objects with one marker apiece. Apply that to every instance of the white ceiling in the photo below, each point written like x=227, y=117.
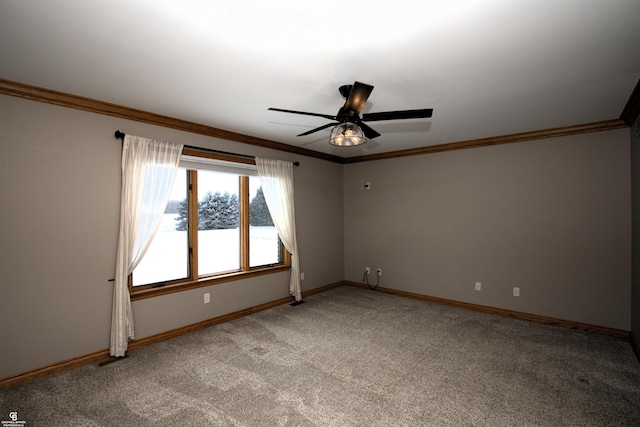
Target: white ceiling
x=486, y=67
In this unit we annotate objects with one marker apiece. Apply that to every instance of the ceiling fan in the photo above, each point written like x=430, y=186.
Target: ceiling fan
x=349, y=128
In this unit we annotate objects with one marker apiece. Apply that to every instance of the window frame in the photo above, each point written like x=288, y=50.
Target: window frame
x=193, y=281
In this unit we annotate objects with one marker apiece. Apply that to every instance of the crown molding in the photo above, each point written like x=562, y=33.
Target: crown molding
x=628, y=116
x=23, y=90
x=495, y=140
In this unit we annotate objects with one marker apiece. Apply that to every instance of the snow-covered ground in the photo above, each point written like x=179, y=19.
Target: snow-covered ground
x=219, y=251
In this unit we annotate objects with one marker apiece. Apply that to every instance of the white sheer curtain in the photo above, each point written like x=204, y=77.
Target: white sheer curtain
x=149, y=168
x=276, y=177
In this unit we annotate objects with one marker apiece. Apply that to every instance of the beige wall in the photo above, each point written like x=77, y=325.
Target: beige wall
x=59, y=213
x=551, y=217
x=635, y=185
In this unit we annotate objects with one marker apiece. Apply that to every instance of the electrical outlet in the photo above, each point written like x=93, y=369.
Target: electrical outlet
x=368, y=270
x=302, y=276
x=207, y=298
x=478, y=286
x=516, y=292
x=379, y=272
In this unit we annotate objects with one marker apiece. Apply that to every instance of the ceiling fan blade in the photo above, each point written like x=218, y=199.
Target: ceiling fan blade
x=318, y=128
x=398, y=115
x=358, y=97
x=326, y=116
x=368, y=131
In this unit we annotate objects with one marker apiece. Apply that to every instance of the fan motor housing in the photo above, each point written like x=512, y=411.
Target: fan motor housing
x=345, y=90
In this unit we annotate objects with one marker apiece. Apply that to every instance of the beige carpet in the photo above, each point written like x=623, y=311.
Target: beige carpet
x=351, y=357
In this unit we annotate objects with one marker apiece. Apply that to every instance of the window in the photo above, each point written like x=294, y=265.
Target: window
x=216, y=227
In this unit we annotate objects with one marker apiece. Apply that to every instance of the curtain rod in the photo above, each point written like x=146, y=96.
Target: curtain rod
x=121, y=135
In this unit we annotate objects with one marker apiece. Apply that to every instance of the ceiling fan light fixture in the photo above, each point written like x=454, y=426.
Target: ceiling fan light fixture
x=347, y=135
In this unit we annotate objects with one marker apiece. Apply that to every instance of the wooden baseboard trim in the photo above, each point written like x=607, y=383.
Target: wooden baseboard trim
x=323, y=289
x=568, y=324
x=174, y=333
x=53, y=368
x=100, y=355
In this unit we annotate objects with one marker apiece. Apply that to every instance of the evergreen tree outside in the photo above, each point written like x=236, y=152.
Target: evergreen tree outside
x=258, y=212
x=215, y=211
x=208, y=211
x=229, y=211
x=181, y=219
